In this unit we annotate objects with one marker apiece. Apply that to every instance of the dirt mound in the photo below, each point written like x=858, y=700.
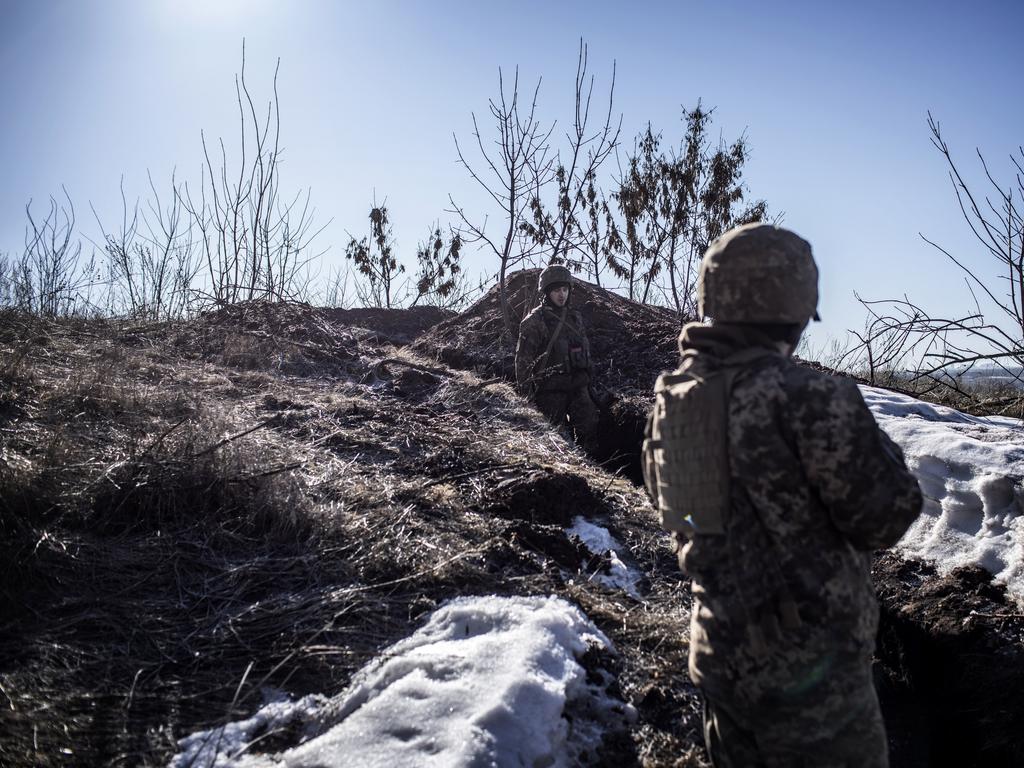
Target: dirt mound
x=290, y=338
x=630, y=342
x=293, y=338
x=394, y=326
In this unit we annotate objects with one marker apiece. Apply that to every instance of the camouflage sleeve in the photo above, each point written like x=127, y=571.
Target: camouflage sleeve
x=857, y=470
x=531, y=339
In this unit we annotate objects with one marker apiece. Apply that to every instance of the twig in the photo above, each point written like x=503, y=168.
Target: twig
x=415, y=366
x=161, y=438
x=267, y=473
x=231, y=438
x=234, y=700
x=478, y=471
x=131, y=691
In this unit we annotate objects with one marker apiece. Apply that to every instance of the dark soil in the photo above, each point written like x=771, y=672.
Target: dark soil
x=393, y=326
x=950, y=666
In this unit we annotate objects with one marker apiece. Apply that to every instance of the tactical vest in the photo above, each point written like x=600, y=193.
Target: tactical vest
x=565, y=363
x=685, y=463
x=685, y=457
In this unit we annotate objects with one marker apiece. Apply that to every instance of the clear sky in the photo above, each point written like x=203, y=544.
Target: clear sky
x=832, y=99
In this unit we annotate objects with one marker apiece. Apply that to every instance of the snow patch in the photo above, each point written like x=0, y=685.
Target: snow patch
x=971, y=472
x=228, y=744
x=600, y=541
x=486, y=682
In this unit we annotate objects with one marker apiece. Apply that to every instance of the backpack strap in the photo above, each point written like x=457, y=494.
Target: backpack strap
x=542, y=359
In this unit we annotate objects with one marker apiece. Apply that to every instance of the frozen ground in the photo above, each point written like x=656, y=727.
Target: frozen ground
x=487, y=681
x=971, y=471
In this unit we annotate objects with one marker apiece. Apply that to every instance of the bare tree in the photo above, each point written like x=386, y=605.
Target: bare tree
x=941, y=349
x=598, y=245
x=16, y=283
x=253, y=241
x=336, y=290
x=518, y=163
x=49, y=279
x=882, y=350
x=638, y=237
x=563, y=228
x=9, y=286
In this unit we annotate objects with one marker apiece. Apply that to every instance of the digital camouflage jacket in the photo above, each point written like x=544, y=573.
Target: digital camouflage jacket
x=567, y=366
x=784, y=614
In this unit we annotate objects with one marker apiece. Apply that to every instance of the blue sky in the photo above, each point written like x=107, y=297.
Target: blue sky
x=832, y=99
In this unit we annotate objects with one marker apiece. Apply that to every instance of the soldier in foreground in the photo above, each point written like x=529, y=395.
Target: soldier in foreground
x=777, y=484
x=553, y=366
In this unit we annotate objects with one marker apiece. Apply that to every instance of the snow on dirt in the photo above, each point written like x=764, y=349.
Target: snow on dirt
x=600, y=541
x=971, y=471
x=486, y=681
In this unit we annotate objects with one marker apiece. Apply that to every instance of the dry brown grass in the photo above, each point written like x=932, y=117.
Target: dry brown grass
x=188, y=519
x=193, y=513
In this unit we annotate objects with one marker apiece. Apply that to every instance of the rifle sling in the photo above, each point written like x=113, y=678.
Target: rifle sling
x=541, y=361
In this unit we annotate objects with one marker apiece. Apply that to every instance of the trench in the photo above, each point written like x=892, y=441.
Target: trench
x=621, y=435
x=949, y=666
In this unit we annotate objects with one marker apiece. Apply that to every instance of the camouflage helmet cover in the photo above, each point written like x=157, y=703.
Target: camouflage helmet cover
x=758, y=273
x=553, y=275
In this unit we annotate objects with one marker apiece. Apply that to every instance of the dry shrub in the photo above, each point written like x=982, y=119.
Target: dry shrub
x=243, y=484
x=141, y=598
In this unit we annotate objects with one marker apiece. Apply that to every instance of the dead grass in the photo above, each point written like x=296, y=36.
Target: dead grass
x=192, y=514
x=185, y=525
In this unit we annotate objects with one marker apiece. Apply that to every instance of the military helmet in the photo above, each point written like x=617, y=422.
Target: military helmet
x=553, y=275
x=758, y=273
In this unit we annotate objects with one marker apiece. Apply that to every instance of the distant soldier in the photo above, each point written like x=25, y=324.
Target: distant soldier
x=777, y=484
x=553, y=366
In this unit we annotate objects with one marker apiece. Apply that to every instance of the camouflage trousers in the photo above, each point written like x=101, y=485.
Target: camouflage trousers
x=577, y=406
x=851, y=738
